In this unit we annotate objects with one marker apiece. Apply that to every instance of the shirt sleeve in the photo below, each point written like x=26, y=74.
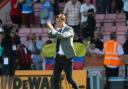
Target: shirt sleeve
x=66, y=9
x=120, y=50
x=53, y=31
x=82, y=9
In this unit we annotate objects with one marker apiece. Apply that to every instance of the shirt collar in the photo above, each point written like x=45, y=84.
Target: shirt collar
x=64, y=26
x=75, y=3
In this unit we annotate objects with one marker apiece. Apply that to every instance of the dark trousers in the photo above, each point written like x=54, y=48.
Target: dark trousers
x=126, y=14
x=103, y=6
x=111, y=72
x=63, y=63
x=28, y=19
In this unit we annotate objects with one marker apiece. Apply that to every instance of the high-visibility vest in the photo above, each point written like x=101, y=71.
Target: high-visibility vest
x=111, y=53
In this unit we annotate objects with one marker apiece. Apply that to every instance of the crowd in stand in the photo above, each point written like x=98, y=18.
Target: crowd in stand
x=80, y=16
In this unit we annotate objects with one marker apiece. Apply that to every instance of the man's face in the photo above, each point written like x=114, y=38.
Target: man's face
x=96, y=35
x=87, y=1
x=59, y=23
x=73, y=1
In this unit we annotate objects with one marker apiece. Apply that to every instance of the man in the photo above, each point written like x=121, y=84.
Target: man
x=8, y=62
x=28, y=12
x=97, y=40
x=15, y=12
x=88, y=22
x=125, y=8
x=65, y=50
x=72, y=11
x=1, y=48
x=113, y=52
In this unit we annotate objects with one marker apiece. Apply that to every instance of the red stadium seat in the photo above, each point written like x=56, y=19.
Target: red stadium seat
x=36, y=30
x=110, y=18
x=99, y=19
x=108, y=29
x=121, y=16
x=122, y=28
x=120, y=20
x=24, y=30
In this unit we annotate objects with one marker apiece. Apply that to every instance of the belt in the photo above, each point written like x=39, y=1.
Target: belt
x=61, y=55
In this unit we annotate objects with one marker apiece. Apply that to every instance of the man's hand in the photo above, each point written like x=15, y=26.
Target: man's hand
x=49, y=25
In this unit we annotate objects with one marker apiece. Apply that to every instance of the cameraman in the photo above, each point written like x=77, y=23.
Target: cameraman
x=9, y=61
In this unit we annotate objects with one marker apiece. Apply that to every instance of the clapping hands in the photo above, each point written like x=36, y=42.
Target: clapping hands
x=49, y=25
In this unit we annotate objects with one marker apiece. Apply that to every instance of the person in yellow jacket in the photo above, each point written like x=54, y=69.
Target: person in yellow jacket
x=112, y=56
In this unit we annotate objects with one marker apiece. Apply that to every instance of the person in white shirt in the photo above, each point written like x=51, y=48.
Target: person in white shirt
x=84, y=10
x=125, y=8
x=72, y=12
x=88, y=22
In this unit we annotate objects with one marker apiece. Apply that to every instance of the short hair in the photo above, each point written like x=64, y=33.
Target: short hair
x=113, y=35
x=61, y=16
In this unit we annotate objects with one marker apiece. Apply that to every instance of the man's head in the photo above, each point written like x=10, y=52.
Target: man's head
x=7, y=28
x=33, y=37
x=87, y=1
x=14, y=30
x=113, y=36
x=60, y=20
x=73, y=1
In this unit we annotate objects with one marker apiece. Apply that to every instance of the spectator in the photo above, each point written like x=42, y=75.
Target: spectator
x=33, y=41
x=15, y=37
x=37, y=61
x=15, y=12
x=119, y=6
x=9, y=61
x=28, y=12
x=97, y=41
x=46, y=12
x=1, y=48
x=98, y=6
x=103, y=6
x=93, y=51
x=125, y=8
x=72, y=12
x=88, y=22
x=113, y=6
x=96, y=46
x=24, y=58
x=56, y=7
x=35, y=47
